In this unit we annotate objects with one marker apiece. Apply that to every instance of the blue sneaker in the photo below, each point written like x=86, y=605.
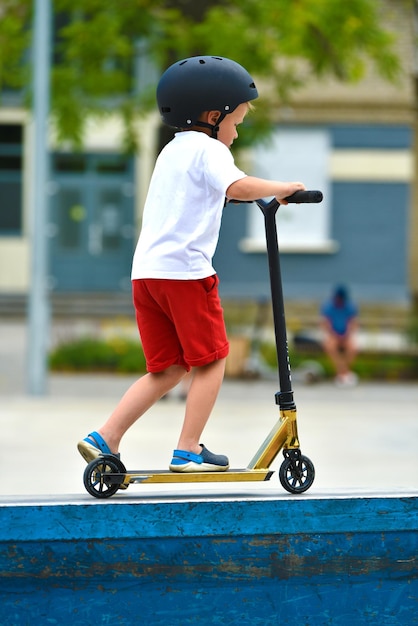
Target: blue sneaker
x=206, y=461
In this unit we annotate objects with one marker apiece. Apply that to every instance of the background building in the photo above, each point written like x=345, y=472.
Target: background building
x=355, y=142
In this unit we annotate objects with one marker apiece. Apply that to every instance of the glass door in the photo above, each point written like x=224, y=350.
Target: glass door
x=92, y=233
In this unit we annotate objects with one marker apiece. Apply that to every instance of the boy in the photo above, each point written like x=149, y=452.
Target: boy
x=175, y=288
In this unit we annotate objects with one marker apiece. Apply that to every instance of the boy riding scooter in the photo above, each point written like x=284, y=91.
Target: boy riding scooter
x=175, y=287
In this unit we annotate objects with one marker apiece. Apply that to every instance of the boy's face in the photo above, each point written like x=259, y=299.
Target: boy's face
x=228, y=127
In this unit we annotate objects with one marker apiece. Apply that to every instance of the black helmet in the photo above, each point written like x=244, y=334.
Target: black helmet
x=202, y=83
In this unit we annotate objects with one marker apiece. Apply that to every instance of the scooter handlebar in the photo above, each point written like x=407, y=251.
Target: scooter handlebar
x=305, y=197
x=299, y=197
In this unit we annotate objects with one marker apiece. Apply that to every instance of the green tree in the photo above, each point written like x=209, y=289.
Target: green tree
x=98, y=49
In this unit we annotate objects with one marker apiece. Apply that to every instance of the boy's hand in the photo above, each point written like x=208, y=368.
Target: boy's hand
x=288, y=190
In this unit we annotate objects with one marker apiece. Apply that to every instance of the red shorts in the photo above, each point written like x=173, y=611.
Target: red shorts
x=180, y=322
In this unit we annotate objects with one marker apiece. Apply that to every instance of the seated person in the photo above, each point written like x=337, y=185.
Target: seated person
x=339, y=323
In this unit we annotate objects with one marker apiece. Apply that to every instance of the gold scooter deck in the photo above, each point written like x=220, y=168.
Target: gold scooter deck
x=161, y=476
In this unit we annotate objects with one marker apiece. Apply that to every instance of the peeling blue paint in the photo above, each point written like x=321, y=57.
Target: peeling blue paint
x=306, y=561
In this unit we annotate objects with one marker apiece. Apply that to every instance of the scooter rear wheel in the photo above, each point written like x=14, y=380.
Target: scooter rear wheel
x=297, y=472
x=96, y=479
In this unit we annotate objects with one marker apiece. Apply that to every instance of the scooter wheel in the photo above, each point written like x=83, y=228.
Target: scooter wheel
x=297, y=472
x=96, y=477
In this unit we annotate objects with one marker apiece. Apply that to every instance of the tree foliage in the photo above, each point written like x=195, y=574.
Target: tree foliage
x=98, y=49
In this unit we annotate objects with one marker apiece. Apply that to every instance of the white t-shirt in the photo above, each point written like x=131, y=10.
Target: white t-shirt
x=183, y=209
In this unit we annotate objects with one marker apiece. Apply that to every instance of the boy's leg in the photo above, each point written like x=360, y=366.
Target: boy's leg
x=136, y=401
x=201, y=398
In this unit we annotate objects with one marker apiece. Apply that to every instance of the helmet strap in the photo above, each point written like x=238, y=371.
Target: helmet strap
x=213, y=128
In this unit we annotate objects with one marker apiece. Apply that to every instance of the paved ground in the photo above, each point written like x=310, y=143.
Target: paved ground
x=363, y=438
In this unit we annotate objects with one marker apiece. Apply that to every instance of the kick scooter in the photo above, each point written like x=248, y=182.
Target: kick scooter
x=106, y=474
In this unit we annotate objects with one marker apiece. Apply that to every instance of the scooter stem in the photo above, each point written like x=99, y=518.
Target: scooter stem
x=284, y=397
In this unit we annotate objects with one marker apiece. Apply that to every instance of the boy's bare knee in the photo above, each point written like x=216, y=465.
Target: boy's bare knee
x=173, y=371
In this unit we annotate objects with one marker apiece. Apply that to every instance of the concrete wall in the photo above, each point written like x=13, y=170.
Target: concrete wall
x=341, y=561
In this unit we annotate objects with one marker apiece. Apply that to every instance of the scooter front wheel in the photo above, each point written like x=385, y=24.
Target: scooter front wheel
x=297, y=472
x=96, y=477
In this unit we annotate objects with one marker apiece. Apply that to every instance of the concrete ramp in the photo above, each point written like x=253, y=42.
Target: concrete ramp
x=170, y=559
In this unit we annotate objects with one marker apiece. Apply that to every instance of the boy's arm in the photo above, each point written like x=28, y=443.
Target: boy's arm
x=252, y=188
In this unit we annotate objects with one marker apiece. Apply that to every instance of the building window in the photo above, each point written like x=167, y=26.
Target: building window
x=296, y=154
x=10, y=179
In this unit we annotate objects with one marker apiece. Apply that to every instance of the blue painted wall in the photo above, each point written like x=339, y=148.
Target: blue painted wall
x=267, y=562
x=370, y=222
x=390, y=136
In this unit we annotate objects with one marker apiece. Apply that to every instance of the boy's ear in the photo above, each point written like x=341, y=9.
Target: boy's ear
x=213, y=117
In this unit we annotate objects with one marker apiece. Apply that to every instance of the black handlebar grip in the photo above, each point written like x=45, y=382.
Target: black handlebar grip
x=305, y=197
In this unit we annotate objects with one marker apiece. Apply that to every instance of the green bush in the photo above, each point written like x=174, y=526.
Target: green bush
x=126, y=356
x=412, y=329
x=93, y=355
x=386, y=366
x=368, y=365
